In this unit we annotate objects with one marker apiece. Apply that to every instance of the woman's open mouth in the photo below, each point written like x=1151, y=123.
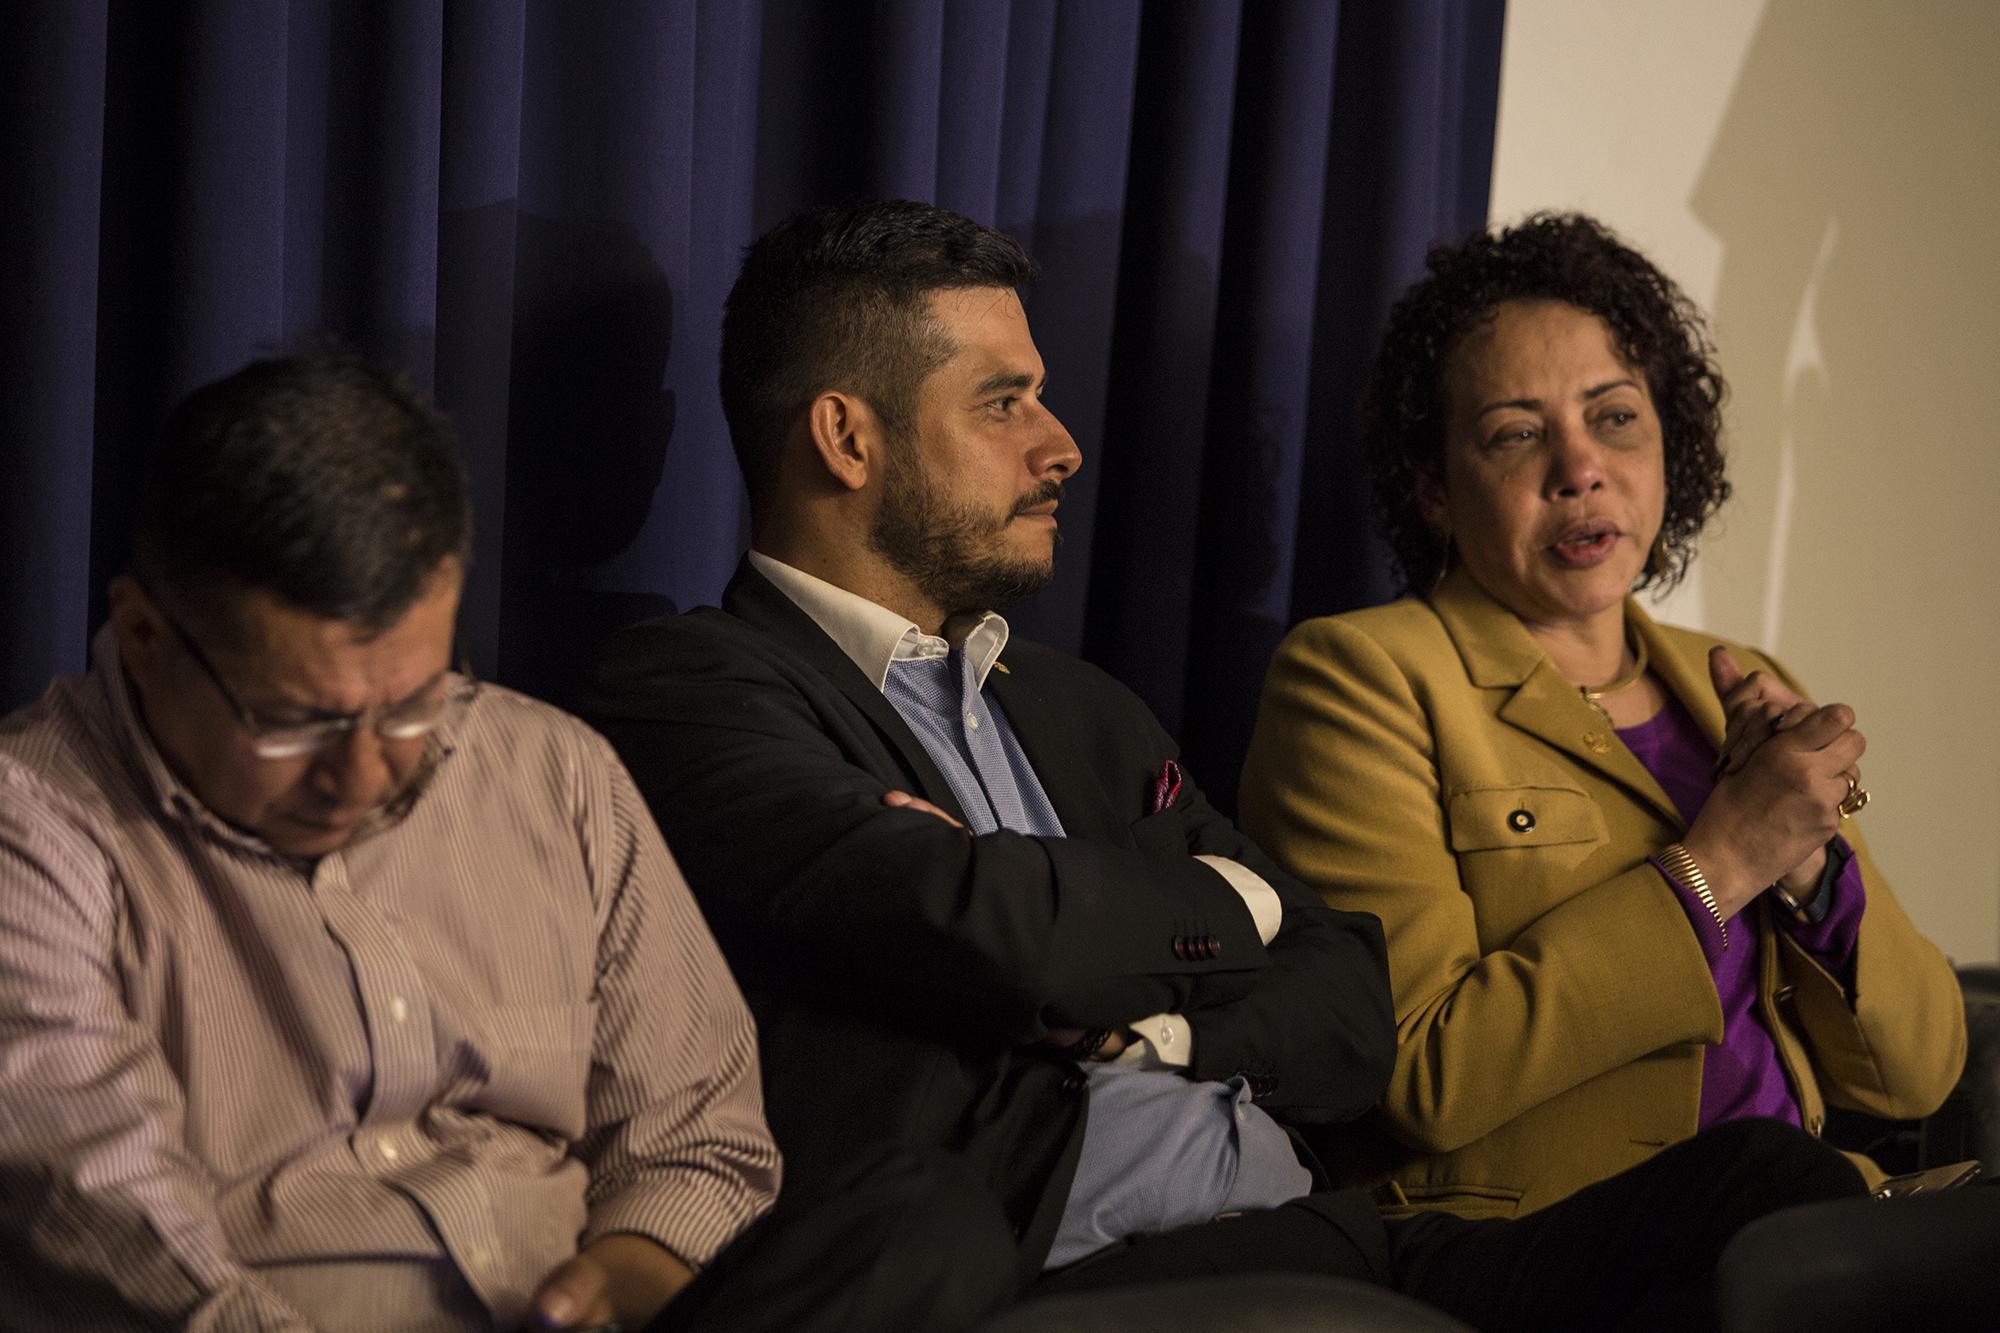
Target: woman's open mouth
x=1585, y=545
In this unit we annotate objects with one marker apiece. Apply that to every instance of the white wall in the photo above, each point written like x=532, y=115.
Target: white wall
x=1823, y=177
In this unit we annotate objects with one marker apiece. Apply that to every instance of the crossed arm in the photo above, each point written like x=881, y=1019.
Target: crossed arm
x=1155, y=1041
x=839, y=899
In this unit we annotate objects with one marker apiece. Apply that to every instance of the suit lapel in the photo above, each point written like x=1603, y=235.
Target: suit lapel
x=1047, y=733
x=756, y=601
x=1500, y=654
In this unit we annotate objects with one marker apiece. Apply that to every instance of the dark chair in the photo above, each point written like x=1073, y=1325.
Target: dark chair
x=1925, y=1263
x=1859, y=1266
x=1260, y=1303
x=1968, y=1124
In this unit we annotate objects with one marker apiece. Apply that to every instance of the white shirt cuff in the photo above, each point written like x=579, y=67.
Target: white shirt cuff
x=1256, y=893
x=1165, y=1042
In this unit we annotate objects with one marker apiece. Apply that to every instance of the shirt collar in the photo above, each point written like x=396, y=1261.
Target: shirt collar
x=873, y=636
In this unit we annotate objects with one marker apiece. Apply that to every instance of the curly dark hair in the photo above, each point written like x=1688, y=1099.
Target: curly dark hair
x=1565, y=257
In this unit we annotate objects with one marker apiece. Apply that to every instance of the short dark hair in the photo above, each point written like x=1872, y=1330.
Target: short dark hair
x=1565, y=257
x=837, y=299
x=320, y=478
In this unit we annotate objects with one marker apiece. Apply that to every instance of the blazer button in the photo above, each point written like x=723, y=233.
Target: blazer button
x=1072, y=1084
x=1521, y=821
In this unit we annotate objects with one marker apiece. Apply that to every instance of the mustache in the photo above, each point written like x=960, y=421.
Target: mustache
x=1041, y=495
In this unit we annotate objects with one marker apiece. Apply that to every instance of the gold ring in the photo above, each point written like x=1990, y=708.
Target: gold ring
x=1856, y=799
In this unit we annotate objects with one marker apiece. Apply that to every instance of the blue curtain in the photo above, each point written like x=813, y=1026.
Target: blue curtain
x=537, y=208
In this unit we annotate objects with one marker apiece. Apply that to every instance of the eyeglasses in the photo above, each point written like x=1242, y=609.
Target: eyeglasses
x=405, y=721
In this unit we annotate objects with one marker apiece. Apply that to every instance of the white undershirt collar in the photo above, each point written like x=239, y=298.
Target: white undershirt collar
x=872, y=635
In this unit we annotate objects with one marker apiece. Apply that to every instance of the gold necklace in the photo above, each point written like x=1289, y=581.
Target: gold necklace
x=1640, y=660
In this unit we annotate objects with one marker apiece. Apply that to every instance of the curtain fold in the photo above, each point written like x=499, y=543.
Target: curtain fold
x=536, y=209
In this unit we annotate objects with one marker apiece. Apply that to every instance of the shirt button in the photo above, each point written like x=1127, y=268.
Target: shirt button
x=972, y=721
x=399, y=1008
x=1166, y=1035
x=388, y=1151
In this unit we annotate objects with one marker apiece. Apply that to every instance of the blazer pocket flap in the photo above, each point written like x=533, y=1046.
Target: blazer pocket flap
x=1470, y=1201
x=1486, y=818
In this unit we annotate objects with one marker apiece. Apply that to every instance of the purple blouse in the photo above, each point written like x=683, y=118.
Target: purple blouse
x=1742, y=1076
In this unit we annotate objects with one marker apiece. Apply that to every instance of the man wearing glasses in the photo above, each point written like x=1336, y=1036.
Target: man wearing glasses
x=335, y=991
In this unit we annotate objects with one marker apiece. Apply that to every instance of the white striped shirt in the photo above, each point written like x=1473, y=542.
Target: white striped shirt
x=391, y=1089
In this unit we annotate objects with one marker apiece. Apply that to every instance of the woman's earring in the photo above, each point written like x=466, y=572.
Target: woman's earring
x=1444, y=563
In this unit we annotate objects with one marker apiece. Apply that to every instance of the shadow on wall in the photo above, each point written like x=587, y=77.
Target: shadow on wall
x=589, y=426
x=1853, y=185
x=1855, y=295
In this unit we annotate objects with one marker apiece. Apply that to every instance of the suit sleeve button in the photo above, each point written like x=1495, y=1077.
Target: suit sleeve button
x=1521, y=821
x=1214, y=945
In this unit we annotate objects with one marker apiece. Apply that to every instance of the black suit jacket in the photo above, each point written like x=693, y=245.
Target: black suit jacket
x=902, y=970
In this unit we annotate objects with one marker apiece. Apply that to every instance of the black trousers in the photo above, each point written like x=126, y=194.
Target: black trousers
x=1636, y=1251
x=914, y=1243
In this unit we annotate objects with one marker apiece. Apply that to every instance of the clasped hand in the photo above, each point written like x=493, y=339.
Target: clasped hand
x=1782, y=770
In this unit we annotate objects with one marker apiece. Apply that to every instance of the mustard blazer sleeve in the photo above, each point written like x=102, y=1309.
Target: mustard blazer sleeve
x=1429, y=765
x=1891, y=1044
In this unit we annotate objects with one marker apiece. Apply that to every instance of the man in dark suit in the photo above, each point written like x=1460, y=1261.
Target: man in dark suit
x=1003, y=954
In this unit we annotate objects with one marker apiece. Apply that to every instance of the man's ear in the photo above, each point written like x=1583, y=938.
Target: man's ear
x=847, y=436
x=135, y=622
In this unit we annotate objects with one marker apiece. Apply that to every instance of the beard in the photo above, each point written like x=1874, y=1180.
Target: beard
x=955, y=553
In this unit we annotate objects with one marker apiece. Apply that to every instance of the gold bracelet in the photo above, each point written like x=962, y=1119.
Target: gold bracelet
x=1681, y=865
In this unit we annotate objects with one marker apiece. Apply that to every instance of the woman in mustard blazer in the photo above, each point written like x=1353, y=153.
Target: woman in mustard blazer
x=1624, y=895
